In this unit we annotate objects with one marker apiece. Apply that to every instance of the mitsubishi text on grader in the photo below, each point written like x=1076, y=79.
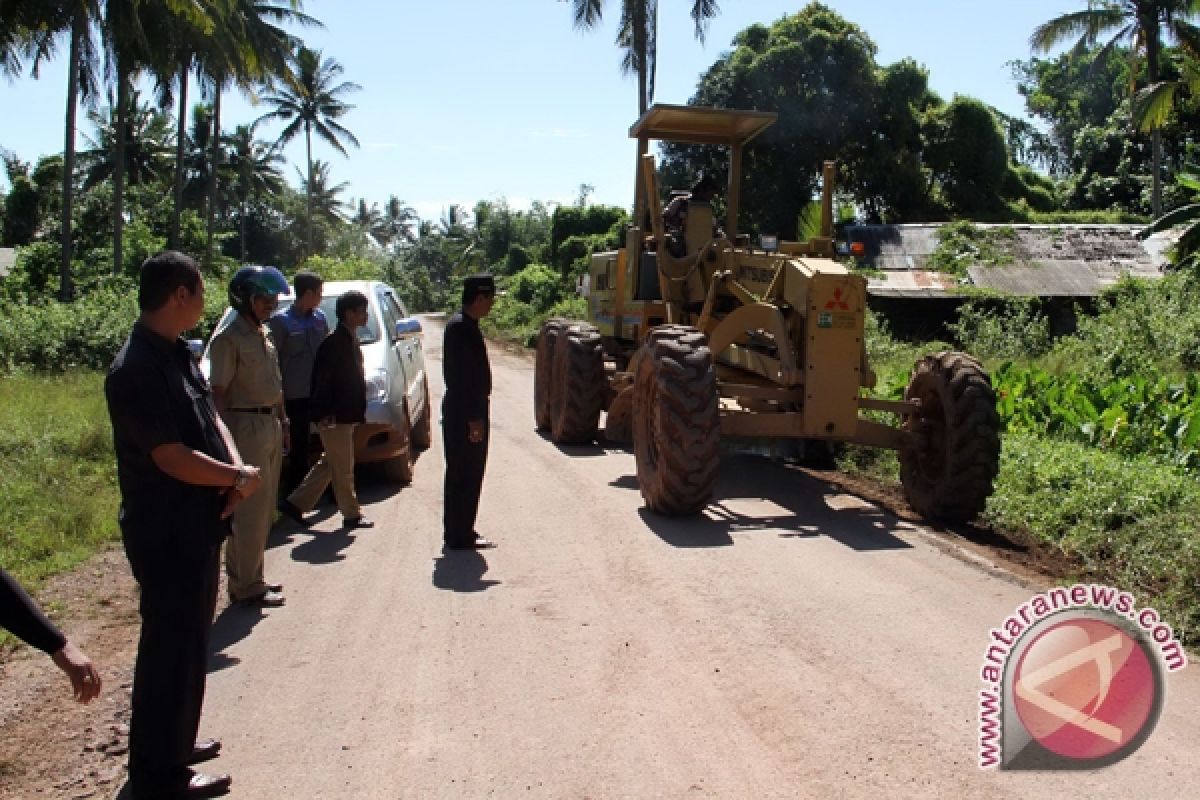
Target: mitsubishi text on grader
x=703, y=336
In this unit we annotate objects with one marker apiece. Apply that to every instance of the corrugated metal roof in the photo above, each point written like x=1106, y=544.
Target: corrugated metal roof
x=1048, y=260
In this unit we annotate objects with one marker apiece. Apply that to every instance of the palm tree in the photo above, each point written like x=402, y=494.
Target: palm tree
x=147, y=132
x=637, y=35
x=33, y=30
x=1142, y=25
x=256, y=169
x=310, y=100
x=399, y=219
x=253, y=48
x=322, y=198
x=370, y=220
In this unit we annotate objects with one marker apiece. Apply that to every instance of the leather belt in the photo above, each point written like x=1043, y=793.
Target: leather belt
x=259, y=410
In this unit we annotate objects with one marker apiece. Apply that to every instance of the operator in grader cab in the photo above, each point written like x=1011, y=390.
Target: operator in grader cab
x=675, y=215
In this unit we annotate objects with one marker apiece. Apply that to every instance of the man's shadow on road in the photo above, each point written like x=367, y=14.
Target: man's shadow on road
x=461, y=571
x=324, y=547
x=234, y=623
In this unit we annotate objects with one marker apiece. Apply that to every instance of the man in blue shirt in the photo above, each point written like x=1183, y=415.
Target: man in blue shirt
x=297, y=333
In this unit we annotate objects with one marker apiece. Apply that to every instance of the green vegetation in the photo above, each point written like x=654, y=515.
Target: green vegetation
x=961, y=244
x=1101, y=449
x=58, y=492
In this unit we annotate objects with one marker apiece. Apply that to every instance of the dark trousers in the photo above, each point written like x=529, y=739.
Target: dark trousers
x=297, y=459
x=178, y=598
x=465, y=464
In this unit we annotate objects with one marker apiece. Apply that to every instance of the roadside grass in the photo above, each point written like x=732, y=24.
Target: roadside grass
x=1123, y=520
x=58, y=491
x=1129, y=521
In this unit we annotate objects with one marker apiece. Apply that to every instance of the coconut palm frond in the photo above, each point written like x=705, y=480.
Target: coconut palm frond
x=1152, y=105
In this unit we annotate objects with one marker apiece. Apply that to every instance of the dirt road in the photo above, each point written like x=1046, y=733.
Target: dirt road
x=793, y=642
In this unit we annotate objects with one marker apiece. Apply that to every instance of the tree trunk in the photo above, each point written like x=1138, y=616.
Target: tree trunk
x=119, y=170
x=1150, y=33
x=180, y=141
x=66, y=284
x=242, y=232
x=308, y=192
x=213, y=167
x=639, y=51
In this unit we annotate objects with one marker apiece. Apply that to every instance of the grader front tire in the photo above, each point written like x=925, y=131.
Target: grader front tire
x=579, y=382
x=676, y=424
x=543, y=375
x=949, y=469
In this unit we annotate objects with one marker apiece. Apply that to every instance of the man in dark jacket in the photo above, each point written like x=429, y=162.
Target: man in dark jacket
x=181, y=476
x=468, y=377
x=338, y=402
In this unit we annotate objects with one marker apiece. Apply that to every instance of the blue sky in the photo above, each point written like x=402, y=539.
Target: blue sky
x=503, y=99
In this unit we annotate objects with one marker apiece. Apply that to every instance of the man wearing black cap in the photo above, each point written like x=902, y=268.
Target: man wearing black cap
x=468, y=379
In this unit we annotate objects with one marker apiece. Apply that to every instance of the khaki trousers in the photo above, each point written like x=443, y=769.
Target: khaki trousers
x=335, y=466
x=259, y=438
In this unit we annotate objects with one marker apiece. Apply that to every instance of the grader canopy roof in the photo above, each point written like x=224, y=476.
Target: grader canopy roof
x=700, y=125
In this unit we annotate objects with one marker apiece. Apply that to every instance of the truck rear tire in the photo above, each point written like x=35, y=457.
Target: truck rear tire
x=422, y=434
x=949, y=469
x=676, y=422
x=543, y=373
x=579, y=383
x=400, y=469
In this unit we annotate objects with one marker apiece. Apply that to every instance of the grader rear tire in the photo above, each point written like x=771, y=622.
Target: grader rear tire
x=676, y=423
x=618, y=424
x=543, y=375
x=579, y=383
x=949, y=469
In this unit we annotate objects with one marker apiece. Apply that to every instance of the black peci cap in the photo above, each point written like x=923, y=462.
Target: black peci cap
x=477, y=284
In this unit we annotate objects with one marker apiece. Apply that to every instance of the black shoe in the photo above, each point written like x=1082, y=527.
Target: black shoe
x=358, y=522
x=202, y=785
x=289, y=510
x=478, y=543
x=205, y=750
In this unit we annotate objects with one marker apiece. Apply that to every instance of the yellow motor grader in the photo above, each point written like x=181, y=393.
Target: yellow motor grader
x=695, y=334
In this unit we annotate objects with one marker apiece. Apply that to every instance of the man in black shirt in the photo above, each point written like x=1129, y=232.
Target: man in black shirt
x=180, y=478
x=338, y=403
x=468, y=377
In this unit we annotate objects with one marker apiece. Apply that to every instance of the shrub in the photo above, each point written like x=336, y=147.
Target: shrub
x=1010, y=328
x=537, y=286
x=54, y=336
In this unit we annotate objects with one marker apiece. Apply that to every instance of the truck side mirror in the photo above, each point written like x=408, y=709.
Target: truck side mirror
x=408, y=326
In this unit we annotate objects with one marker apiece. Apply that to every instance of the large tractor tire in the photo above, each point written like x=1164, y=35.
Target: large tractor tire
x=543, y=374
x=422, y=432
x=579, y=383
x=676, y=422
x=950, y=465
x=618, y=423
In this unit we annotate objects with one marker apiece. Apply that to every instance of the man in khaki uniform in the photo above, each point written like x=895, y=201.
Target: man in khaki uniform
x=248, y=390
